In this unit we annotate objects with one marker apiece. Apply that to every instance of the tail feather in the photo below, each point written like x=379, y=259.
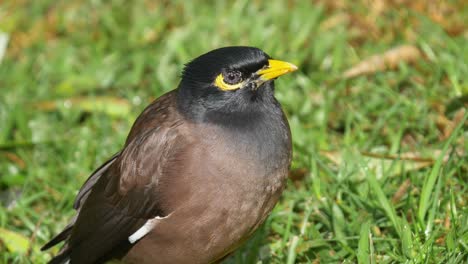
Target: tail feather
x=58, y=238
x=62, y=258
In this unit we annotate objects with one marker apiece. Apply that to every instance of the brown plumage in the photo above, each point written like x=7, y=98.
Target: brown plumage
x=201, y=169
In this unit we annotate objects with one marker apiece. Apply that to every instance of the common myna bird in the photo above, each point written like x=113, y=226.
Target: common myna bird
x=201, y=169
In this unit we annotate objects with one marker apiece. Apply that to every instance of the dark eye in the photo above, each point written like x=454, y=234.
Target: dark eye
x=232, y=76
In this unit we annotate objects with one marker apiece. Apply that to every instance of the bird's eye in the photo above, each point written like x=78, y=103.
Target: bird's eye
x=232, y=77
x=229, y=80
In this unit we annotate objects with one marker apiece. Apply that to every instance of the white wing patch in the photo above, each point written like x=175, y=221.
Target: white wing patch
x=145, y=229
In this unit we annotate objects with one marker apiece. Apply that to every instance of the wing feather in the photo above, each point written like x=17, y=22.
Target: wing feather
x=121, y=195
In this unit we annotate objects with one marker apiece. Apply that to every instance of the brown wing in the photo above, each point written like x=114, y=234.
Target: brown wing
x=125, y=193
x=152, y=117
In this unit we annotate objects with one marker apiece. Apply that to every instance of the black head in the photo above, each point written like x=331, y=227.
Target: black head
x=229, y=82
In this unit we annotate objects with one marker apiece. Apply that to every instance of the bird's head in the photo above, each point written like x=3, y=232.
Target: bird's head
x=229, y=81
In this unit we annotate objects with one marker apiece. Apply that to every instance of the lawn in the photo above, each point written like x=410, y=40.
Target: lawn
x=378, y=113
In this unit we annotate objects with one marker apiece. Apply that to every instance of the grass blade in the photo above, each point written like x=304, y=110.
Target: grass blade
x=384, y=203
x=430, y=180
x=363, y=253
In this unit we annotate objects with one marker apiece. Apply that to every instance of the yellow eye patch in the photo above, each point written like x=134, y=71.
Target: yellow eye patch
x=225, y=86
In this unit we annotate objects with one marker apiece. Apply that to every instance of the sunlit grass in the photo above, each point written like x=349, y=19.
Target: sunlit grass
x=379, y=170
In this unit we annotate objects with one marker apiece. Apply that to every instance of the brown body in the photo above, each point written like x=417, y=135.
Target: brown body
x=204, y=165
x=234, y=208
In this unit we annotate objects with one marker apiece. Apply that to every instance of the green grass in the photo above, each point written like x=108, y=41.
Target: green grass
x=77, y=73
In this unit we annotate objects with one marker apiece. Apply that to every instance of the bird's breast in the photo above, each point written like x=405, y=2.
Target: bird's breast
x=225, y=190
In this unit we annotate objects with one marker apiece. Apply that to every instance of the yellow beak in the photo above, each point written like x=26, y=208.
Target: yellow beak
x=275, y=69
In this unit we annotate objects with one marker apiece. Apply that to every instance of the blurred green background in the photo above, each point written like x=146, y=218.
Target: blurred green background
x=377, y=111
